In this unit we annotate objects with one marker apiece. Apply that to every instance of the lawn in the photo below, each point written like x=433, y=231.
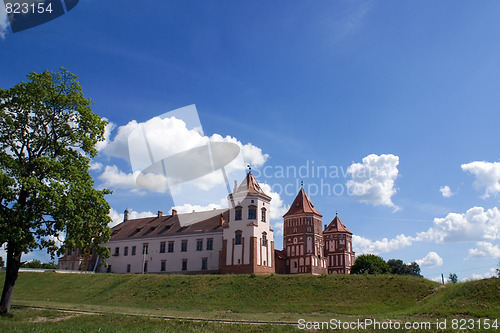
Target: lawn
x=141, y=302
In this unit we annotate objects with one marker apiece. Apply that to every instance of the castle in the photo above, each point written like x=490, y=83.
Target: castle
x=234, y=240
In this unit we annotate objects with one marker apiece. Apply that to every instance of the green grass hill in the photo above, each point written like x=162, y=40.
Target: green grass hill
x=264, y=298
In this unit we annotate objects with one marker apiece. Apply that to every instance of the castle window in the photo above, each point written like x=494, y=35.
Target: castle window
x=145, y=248
x=109, y=268
x=199, y=245
x=163, y=266
x=133, y=250
x=237, y=213
x=162, y=247
x=252, y=212
x=264, y=239
x=125, y=251
x=184, y=246
x=117, y=251
x=204, y=263
x=128, y=268
x=263, y=215
x=171, y=247
x=210, y=244
x=184, y=264
x=145, y=269
x=237, y=237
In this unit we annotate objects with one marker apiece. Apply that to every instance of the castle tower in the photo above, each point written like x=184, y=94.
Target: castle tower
x=302, y=237
x=248, y=241
x=338, y=247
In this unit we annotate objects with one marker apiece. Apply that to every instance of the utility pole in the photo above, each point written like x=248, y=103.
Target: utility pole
x=143, y=257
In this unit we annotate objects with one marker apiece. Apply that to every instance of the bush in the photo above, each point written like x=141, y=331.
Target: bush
x=38, y=264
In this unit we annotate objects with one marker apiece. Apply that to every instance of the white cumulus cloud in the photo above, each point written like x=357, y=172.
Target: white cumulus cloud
x=96, y=166
x=430, y=260
x=484, y=249
x=117, y=218
x=188, y=208
x=492, y=272
x=157, y=138
x=115, y=178
x=4, y=22
x=107, y=133
x=365, y=245
x=373, y=180
x=446, y=191
x=487, y=176
x=475, y=225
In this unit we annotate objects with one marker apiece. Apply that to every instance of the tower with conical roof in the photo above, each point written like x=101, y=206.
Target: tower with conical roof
x=248, y=242
x=338, y=247
x=303, y=238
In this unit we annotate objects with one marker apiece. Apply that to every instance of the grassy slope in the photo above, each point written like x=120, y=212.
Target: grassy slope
x=349, y=295
x=299, y=294
x=274, y=297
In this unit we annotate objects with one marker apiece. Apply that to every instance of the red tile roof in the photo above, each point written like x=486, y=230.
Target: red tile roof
x=251, y=185
x=167, y=225
x=337, y=226
x=302, y=204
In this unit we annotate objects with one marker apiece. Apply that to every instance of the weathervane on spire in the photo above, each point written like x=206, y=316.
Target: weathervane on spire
x=249, y=168
x=336, y=213
x=302, y=184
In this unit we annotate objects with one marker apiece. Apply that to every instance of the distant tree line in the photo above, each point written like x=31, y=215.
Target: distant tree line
x=38, y=264
x=373, y=264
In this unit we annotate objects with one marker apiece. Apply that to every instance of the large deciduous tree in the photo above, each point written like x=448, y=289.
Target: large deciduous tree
x=48, y=135
x=397, y=266
x=370, y=264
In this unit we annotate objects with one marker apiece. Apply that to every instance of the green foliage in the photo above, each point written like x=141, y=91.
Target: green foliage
x=397, y=266
x=38, y=264
x=1, y=262
x=453, y=278
x=370, y=264
x=48, y=135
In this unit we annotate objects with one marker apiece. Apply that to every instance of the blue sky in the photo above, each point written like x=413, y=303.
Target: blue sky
x=406, y=92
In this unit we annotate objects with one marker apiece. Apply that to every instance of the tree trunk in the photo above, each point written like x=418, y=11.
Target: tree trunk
x=13, y=265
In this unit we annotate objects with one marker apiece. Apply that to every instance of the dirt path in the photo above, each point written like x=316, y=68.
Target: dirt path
x=87, y=312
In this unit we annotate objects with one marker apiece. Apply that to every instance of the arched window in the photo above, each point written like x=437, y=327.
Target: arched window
x=252, y=212
x=237, y=237
x=263, y=215
x=237, y=213
x=264, y=239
